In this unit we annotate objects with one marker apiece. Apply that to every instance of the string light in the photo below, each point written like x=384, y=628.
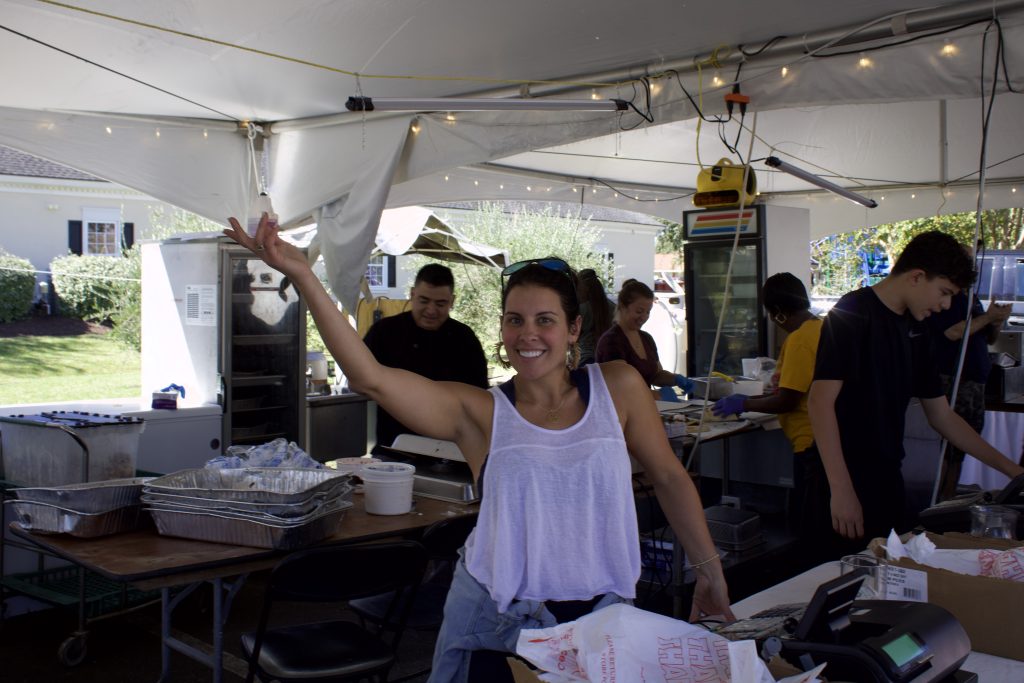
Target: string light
x=109, y=131
x=949, y=50
x=913, y=195
x=594, y=95
x=415, y=127
x=501, y=186
x=655, y=88
x=206, y=133
x=450, y=117
x=574, y=189
x=529, y=189
x=865, y=62
x=593, y=190
x=158, y=132
x=1013, y=189
x=717, y=80
x=882, y=198
x=446, y=179
x=785, y=71
x=476, y=183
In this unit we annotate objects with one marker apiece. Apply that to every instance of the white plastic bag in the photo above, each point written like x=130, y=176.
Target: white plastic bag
x=624, y=644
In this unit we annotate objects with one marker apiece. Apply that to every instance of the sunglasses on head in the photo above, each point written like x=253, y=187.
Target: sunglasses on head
x=554, y=264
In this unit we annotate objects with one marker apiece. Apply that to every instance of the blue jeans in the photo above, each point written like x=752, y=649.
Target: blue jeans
x=472, y=622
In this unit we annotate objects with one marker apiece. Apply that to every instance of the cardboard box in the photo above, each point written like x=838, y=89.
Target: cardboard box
x=988, y=608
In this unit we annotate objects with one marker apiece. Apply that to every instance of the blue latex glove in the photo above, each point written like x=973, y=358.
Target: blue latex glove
x=684, y=383
x=668, y=394
x=730, y=405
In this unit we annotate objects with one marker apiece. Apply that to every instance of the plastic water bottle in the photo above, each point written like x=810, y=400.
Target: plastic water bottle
x=260, y=206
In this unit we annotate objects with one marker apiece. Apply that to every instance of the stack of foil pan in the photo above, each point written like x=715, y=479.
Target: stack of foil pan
x=86, y=510
x=271, y=507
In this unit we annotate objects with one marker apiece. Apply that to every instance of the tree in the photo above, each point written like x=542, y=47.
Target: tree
x=525, y=235
x=838, y=260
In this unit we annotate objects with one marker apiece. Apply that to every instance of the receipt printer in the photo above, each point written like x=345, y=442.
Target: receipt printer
x=885, y=641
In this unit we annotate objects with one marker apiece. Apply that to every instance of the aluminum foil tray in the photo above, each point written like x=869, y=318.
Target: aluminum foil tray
x=53, y=519
x=250, y=485
x=230, y=510
x=219, y=528
x=284, y=510
x=96, y=496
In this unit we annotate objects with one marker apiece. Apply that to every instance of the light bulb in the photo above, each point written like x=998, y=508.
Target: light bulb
x=206, y=133
x=415, y=127
x=1013, y=189
x=158, y=132
x=476, y=183
x=949, y=50
x=502, y=186
x=594, y=95
x=717, y=80
x=450, y=117
x=785, y=71
x=446, y=179
x=529, y=189
x=574, y=189
x=865, y=62
x=913, y=195
x=109, y=131
x=655, y=88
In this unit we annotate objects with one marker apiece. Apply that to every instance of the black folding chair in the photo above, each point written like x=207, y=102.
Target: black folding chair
x=335, y=650
x=442, y=541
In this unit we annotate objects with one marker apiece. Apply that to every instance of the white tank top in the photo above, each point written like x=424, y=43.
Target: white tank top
x=557, y=519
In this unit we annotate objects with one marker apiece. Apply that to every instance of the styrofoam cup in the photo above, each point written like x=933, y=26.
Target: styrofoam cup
x=387, y=487
x=751, y=366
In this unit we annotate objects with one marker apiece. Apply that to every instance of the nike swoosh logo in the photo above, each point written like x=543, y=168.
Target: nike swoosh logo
x=914, y=334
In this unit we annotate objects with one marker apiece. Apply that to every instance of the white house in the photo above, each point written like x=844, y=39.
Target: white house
x=49, y=210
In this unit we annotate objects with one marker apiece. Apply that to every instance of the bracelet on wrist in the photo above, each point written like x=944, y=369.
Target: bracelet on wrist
x=697, y=565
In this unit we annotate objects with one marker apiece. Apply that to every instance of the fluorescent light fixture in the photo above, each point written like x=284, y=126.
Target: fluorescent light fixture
x=479, y=104
x=792, y=170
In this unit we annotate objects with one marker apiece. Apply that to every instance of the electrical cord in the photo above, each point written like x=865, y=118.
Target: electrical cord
x=979, y=233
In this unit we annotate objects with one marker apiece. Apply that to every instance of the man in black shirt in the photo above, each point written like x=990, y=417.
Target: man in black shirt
x=874, y=355
x=425, y=340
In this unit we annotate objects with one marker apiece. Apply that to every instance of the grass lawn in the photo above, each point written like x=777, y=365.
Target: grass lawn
x=73, y=368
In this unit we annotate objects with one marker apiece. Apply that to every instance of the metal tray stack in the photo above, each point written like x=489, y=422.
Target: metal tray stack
x=268, y=507
x=86, y=510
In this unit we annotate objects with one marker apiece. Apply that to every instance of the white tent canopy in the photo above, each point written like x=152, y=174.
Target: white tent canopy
x=151, y=95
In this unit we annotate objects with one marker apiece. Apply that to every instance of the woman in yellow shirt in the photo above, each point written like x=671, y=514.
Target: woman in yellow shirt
x=785, y=300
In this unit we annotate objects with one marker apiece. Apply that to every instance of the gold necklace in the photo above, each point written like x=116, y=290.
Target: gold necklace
x=552, y=413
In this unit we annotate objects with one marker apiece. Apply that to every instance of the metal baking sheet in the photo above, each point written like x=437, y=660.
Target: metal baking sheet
x=96, y=496
x=286, y=510
x=216, y=528
x=53, y=519
x=251, y=484
x=228, y=509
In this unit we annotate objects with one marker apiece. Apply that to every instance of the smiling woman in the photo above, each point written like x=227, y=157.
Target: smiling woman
x=550, y=449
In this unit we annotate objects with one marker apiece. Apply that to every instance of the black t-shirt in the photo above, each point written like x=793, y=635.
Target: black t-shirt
x=883, y=359
x=449, y=354
x=977, y=364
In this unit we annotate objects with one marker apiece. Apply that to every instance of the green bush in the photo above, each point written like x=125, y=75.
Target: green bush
x=126, y=314
x=17, y=285
x=93, y=287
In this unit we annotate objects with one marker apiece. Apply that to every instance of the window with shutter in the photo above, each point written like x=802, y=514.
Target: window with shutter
x=101, y=232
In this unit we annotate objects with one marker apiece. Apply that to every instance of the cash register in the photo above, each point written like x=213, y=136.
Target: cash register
x=871, y=641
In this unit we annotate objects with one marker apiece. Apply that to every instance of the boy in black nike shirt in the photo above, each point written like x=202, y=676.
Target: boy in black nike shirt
x=875, y=355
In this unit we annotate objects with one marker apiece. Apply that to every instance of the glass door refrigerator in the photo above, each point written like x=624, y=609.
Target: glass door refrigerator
x=231, y=330
x=746, y=332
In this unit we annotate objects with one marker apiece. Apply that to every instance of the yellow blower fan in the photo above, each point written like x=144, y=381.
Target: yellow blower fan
x=721, y=186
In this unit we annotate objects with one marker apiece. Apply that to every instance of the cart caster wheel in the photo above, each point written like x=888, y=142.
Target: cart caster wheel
x=72, y=651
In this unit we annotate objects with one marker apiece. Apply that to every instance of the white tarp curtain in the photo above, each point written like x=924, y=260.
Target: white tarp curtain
x=414, y=229
x=204, y=167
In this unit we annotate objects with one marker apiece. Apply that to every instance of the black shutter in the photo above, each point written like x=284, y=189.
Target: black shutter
x=391, y=261
x=75, y=237
x=127, y=235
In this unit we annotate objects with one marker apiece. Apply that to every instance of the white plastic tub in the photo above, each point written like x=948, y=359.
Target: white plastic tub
x=387, y=487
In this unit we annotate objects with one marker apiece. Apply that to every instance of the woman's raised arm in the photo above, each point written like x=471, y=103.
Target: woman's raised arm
x=443, y=410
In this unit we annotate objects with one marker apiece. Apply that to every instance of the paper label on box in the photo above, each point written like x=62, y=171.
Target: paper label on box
x=201, y=305
x=905, y=584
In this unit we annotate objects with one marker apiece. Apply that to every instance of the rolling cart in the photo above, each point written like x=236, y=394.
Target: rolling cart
x=53, y=449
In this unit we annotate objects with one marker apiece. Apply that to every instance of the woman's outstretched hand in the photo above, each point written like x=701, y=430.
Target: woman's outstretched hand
x=269, y=246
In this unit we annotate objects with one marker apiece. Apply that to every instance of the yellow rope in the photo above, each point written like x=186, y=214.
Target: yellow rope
x=315, y=65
